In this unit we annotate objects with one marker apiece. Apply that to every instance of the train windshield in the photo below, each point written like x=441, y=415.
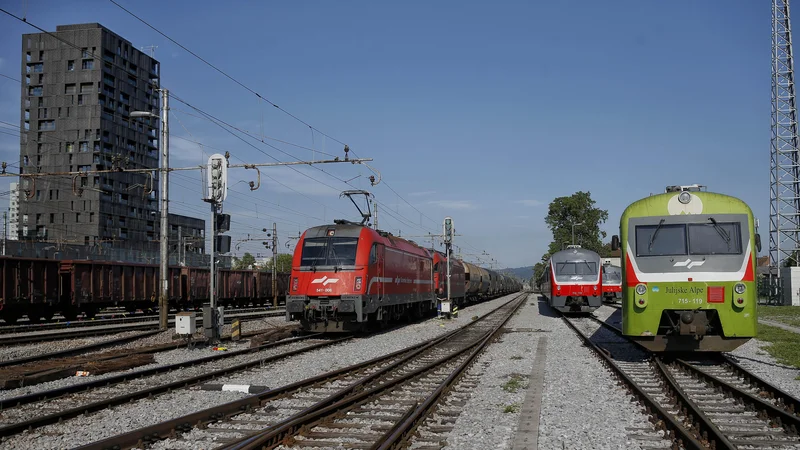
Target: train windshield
x=328, y=251
x=611, y=276
x=711, y=238
x=576, y=271
x=715, y=238
x=661, y=240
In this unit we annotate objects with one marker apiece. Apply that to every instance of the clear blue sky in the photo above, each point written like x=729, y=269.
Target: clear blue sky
x=482, y=111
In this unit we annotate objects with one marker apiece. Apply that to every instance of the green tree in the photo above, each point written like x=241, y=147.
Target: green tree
x=563, y=212
x=245, y=262
x=284, y=263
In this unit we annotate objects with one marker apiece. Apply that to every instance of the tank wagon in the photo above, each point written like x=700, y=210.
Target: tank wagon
x=612, y=283
x=350, y=277
x=688, y=265
x=40, y=288
x=572, y=281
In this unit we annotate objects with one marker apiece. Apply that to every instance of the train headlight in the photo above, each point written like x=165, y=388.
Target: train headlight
x=739, y=288
x=685, y=197
x=358, y=283
x=641, y=289
x=294, y=284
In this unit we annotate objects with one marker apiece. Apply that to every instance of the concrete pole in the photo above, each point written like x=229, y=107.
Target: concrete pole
x=163, y=306
x=212, y=281
x=274, y=265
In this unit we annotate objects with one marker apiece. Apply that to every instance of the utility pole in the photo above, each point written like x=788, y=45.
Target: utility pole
x=375, y=204
x=180, y=245
x=5, y=231
x=274, y=265
x=163, y=303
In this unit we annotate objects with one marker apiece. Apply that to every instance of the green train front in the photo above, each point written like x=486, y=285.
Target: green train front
x=688, y=266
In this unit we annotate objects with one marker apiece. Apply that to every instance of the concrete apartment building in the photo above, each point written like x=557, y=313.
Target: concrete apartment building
x=76, y=104
x=13, y=212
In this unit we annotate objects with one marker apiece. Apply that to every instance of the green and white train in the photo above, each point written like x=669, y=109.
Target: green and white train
x=688, y=270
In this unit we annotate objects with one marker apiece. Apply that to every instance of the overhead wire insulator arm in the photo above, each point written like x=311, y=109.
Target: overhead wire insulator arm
x=254, y=186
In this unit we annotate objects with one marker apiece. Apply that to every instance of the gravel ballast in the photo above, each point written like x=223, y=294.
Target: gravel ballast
x=582, y=406
x=85, y=429
x=753, y=358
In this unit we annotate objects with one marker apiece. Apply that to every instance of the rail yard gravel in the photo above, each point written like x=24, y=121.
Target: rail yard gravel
x=582, y=405
x=752, y=357
x=40, y=348
x=85, y=429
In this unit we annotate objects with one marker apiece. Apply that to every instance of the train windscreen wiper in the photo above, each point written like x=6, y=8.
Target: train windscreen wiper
x=721, y=231
x=653, y=237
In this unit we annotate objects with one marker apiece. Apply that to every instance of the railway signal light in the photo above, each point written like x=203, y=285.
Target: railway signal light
x=448, y=230
x=217, y=178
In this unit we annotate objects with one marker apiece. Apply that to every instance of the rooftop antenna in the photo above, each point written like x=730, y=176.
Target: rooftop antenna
x=152, y=49
x=365, y=216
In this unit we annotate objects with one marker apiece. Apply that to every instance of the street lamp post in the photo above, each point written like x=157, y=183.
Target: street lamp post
x=163, y=303
x=573, y=231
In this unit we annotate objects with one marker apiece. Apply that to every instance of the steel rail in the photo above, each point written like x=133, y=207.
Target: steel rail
x=12, y=429
x=139, y=438
x=397, y=436
x=355, y=394
x=677, y=431
x=788, y=420
x=35, y=337
x=76, y=350
x=790, y=402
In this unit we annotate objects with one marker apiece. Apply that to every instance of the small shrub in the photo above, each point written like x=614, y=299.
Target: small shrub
x=512, y=408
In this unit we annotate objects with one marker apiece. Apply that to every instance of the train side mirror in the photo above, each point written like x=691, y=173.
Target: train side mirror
x=614, y=243
x=758, y=242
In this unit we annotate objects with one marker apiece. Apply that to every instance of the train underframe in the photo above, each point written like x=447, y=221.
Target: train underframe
x=690, y=331
x=575, y=304
x=355, y=313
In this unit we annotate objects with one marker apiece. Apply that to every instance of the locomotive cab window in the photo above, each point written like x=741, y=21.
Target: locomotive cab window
x=715, y=238
x=661, y=240
x=575, y=270
x=332, y=251
x=373, y=254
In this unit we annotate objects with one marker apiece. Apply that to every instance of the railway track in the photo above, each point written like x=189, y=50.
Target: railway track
x=128, y=319
x=97, y=330
x=47, y=407
x=708, y=402
x=377, y=403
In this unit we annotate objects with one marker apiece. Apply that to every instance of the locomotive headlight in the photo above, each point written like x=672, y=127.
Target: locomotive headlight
x=739, y=288
x=641, y=289
x=294, y=284
x=685, y=197
x=358, y=283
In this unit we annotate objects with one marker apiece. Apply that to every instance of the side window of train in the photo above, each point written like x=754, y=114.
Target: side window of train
x=373, y=254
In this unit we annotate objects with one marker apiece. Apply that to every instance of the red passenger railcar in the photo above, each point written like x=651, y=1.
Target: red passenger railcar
x=572, y=280
x=347, y=276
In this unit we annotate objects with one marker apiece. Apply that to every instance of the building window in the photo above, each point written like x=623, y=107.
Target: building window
x=83, y=168
x=51, y=197
x=70, y=146
x=80, y=100
x=25, y=160
x=28, y=54
x=71, y=65
x=47, y=125
x=77, y=217
x=86, y=88
x=27, y=115
x=43, y=113
x=85, y=53
x=83, y=147
x=52, y=217
x=87, y=64
x=38, y=218
x=69, y=88
x=35, y=91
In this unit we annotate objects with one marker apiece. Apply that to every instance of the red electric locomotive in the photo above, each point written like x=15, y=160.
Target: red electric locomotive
x=347, y=277
x=572, y=281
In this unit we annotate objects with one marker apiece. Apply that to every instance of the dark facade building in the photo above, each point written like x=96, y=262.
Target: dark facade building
x=76, y=104
x=187, y=234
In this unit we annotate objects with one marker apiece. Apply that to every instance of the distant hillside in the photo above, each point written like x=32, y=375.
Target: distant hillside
x=522, y=273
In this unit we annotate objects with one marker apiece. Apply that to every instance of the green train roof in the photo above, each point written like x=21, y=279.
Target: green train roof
x=667, y=204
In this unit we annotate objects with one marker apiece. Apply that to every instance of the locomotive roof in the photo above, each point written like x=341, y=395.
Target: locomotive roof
x=667, y=203
x=354, y=230
x=575, y=254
